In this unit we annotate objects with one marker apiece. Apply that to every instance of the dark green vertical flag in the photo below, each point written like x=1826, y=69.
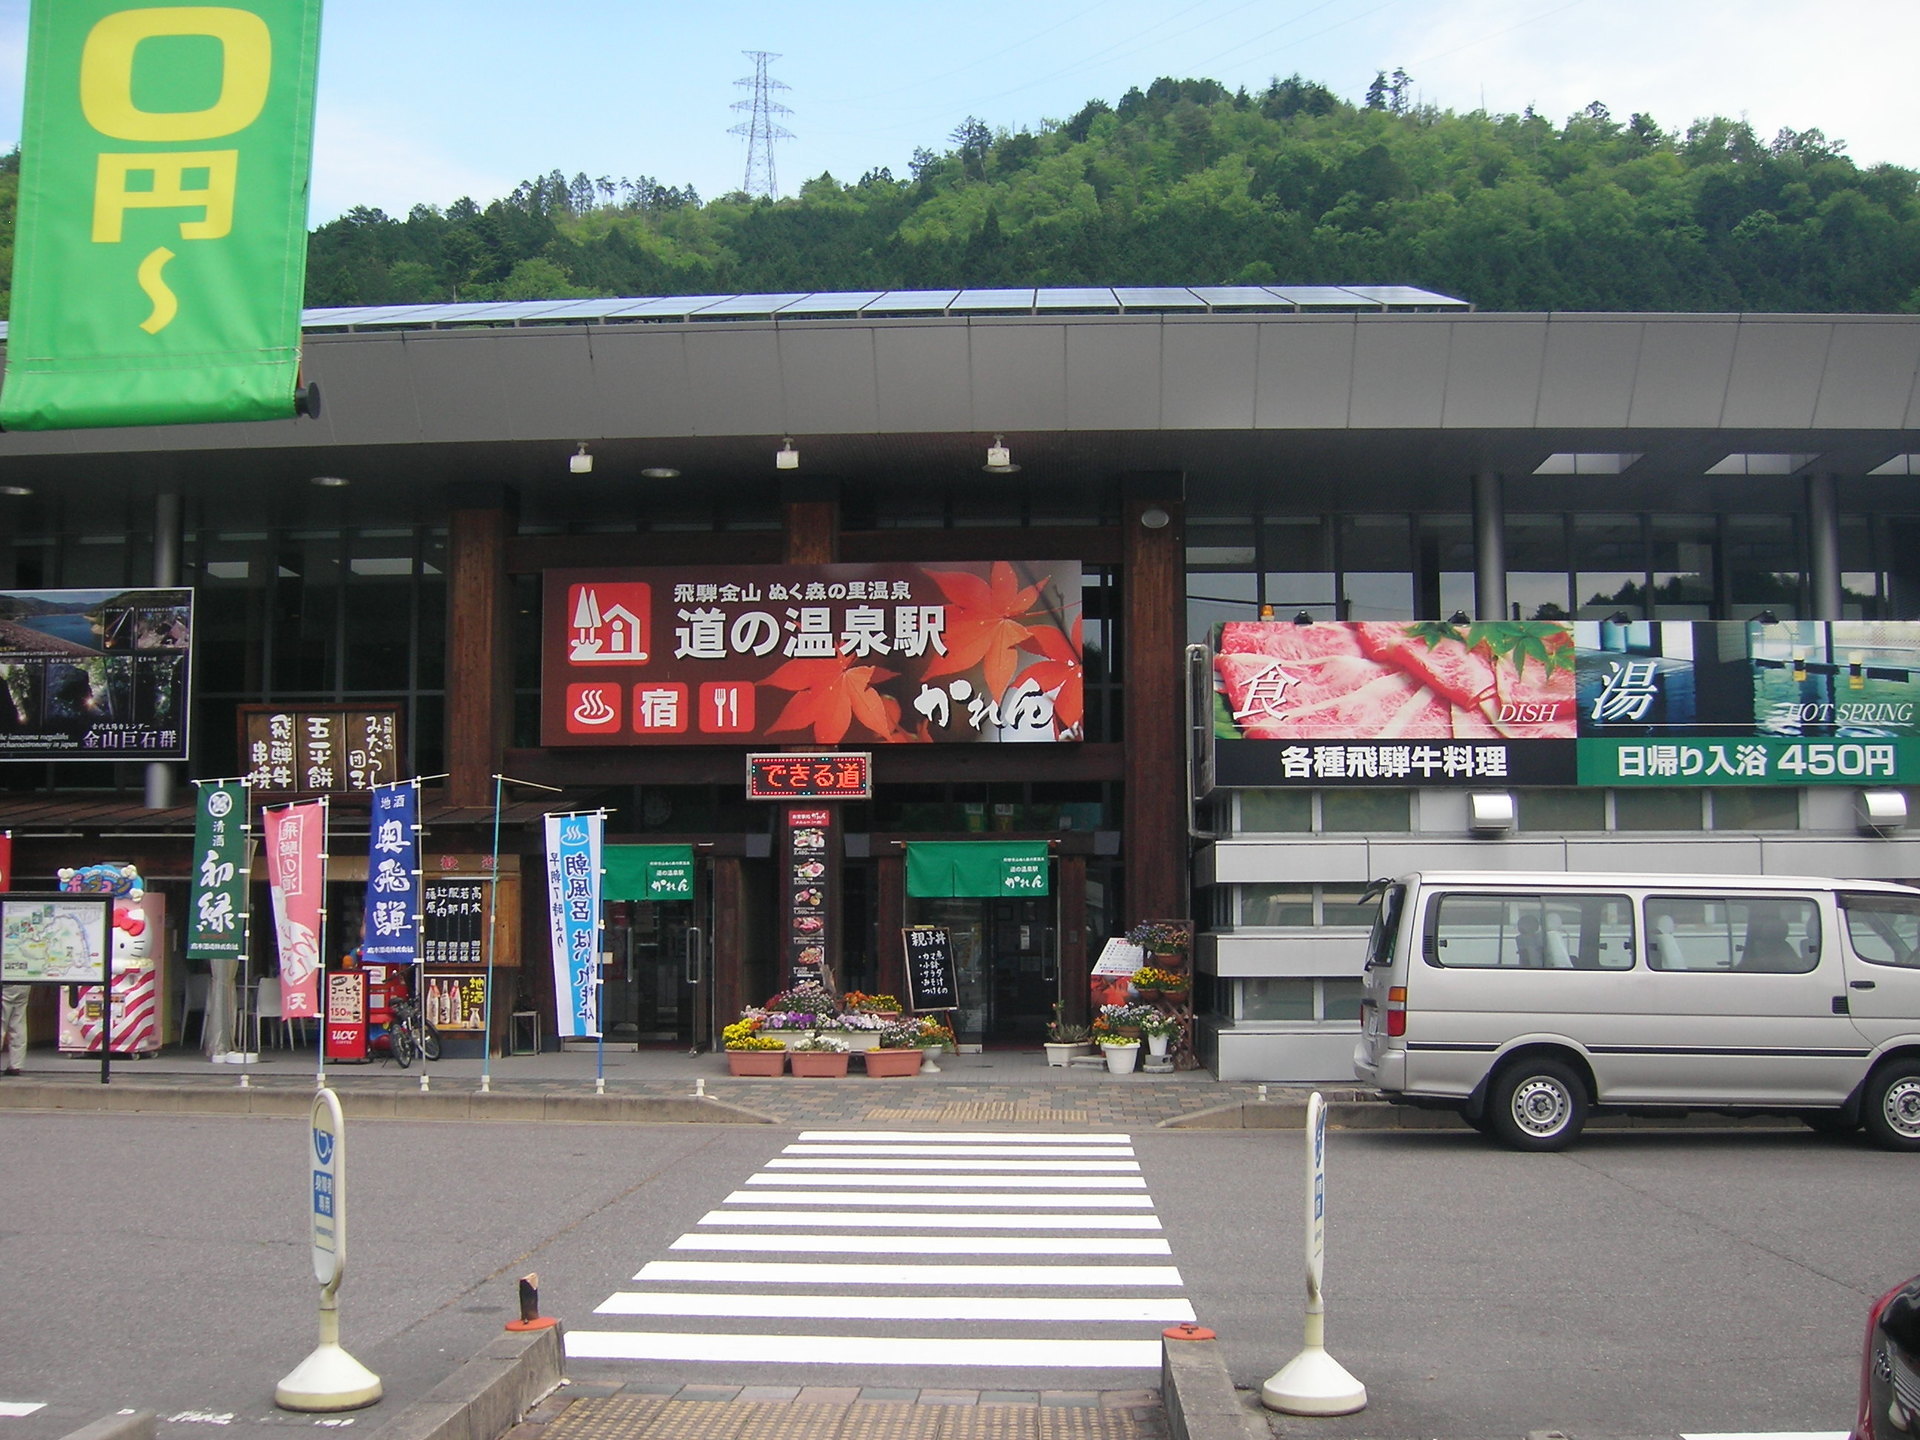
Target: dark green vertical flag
x=217, y=926
x=161, y=251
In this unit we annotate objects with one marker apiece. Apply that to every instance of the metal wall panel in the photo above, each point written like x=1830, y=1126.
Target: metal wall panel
x=1399, y=375
x=827, y=378
x=1019, y=376
x=1113, y=376
x=734, y=372
x=1305, y=375
x=550, y=396
x=366, y=391
x=1493, y=373
x=1586, y=380
x=640, y=382
x=1776, y=373
x=1682, y=375
x=1870, y=376
x=923, y=377
x=1207, y=379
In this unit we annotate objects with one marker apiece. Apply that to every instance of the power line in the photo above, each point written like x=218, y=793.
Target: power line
x=760, y=128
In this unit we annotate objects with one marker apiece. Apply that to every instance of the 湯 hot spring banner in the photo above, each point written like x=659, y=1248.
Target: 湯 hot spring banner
x=1670, y=702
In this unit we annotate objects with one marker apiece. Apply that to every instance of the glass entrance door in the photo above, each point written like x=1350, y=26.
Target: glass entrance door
x=1005, y=960
x=660, y=974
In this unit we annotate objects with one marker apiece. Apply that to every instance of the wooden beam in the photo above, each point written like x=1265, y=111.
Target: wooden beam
x=479, y=714
x=1154, y=806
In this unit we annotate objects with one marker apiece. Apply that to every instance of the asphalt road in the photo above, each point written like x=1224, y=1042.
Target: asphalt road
x=1641, y=1284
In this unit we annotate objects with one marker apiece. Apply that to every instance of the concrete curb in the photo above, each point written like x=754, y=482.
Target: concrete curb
x=123, y=1097
x=132, y=1425
x=487, y=1396
x=1199, y=1397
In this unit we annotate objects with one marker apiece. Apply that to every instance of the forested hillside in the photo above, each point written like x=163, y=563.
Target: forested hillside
x=1190, y=183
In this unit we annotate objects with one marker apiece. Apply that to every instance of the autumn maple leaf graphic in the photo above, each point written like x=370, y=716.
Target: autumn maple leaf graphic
x=1060, y=670
x=983, y=624
x=830, y=694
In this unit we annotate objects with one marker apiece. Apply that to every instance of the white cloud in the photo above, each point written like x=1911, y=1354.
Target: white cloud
x=362, y=157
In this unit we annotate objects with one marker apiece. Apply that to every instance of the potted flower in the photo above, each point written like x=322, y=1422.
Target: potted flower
x=1122, y=1020
x=1158, y=1031
x=1122, y=1052
x=898, y=1052
x=936, y=1037
x=751, y=1053
x=1152, y=980
x=819, y=1057
x=886, y=1007
x=1166, y=940
x=1064, y=1041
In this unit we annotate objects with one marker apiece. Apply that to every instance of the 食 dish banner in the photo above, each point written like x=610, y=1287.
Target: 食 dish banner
x=160, y=258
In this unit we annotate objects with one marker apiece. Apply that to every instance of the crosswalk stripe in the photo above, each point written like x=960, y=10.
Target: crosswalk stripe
x=1003, y=1166
x=875, y=1197
x=1155, y=1310
x=853, y=1219
x=980, y=1137
x=762, y=1272
x=927, y=1244
x=863, y=1350
x=1008, y=1150
x=1037, y=1182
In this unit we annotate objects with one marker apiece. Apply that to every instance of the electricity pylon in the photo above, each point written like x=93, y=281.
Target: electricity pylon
x=760, y=127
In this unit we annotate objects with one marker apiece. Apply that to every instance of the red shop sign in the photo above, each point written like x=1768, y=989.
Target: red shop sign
x=829, y=776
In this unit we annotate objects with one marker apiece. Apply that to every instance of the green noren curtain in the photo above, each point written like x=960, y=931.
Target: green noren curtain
x=976, y=867
x=648, y=872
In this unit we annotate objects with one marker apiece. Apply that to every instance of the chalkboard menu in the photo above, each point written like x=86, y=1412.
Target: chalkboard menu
x=930, y=979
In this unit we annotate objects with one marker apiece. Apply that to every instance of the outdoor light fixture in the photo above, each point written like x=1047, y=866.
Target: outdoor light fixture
x=580, y=462
x=1153, y=517
x=1266, y=612
x=1765, y=617
x=1459, y=617
x=1303, y=618
x=786, y=457
x=1000, y=462
x=660, y=472
x=330, y=482
x=1619, y=617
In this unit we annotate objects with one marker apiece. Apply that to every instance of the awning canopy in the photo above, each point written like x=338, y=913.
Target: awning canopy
x=938, y=868
x=648, y=872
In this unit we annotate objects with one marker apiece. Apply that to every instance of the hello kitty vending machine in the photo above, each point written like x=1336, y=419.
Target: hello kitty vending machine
x=139, y=967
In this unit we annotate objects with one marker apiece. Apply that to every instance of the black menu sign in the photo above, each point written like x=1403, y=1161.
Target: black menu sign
x=812, y=882
x=930, y=978
x=453, y=930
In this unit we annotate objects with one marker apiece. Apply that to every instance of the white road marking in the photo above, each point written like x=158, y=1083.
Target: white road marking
x=1122, y=1150
x=875, y=1197
x=1146, y=1309
x=762, y=1272
x=1002, y=1166
x=1037, y=1182
x=864, y=1350
x=14, y=1409
x=1772, y=1435
x=880, y=1219
x=962, y=1137
x=927, y=1244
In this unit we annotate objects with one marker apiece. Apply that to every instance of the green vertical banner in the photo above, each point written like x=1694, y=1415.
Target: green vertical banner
x=217, y=922
x=160, y=259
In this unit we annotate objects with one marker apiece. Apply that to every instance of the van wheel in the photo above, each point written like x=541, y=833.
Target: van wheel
x=1537, y=1105
x=1892, y=1112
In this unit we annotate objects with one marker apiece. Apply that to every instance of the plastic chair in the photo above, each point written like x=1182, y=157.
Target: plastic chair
x=195, y=1005
x=1668, y=954
x=267, y=1006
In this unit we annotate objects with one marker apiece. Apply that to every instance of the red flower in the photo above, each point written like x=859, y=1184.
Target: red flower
x=830, y=694
x=983, y=626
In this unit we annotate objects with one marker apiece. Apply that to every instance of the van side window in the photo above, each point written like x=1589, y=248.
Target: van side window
x=1883, y=929
x=1531, y=932
x=1776, y=934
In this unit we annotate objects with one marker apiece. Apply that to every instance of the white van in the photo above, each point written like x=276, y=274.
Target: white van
x=1529, y=1001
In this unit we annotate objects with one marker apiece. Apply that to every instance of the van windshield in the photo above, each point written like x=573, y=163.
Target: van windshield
x=1386, y=926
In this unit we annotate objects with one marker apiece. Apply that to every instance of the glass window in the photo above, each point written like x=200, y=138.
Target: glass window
x=1532, y=932
x=1656, y=809
x=1884, y=929
x=1277, y=998
x=1780, y=934
x=1763, y=564
x=1759, y=807
x=1340, y=999
x=1682, y=565
x=1351, y=811
x=1276, y=904
x=1299, y=569
x=1275, y=810
x=1567, y=809
x=1537, y=567
x=1340, y=906
x=1610, y=565
x=1376, y=564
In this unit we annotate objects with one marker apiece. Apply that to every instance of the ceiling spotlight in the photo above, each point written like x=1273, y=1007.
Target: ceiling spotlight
x=580, y=462
x=1459, y=617
x=330, y=482
x=786, y=457
x=660, y=472
x=1153, y=517
x=16, y=489
x=1000, y=459
x=1302, y=617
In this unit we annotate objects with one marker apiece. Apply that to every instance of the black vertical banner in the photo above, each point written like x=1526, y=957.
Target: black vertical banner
x=810, y=891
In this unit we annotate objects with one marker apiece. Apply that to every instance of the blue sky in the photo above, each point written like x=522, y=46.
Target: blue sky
x=428, y=100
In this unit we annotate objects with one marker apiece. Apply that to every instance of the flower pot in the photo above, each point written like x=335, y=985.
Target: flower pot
x=1174, y=997
x=1145, y=994
x=756, y=1062
x=1121, y=1059
x=891, y=1063
x=1059, y=1052
x=1157, y=1045
x=819, y=1064
x=930, y=1057
x=1132, y=1032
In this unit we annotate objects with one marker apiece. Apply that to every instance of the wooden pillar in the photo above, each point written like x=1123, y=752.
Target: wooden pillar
x=729, y=942
x=1075, y=965
x=890, y=906
x=479, y=677
x=813, y=521
x=1154, y=832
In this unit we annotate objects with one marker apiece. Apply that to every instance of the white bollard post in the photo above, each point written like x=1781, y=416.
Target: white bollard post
x=1313, y=1382
x=329, y=1379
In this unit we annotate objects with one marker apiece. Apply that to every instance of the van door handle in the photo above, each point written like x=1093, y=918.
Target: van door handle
x=1860, y=984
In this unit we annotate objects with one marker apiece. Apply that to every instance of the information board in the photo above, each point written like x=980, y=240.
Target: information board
x=931, y=984
x=46, y=938
x=453, y=922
